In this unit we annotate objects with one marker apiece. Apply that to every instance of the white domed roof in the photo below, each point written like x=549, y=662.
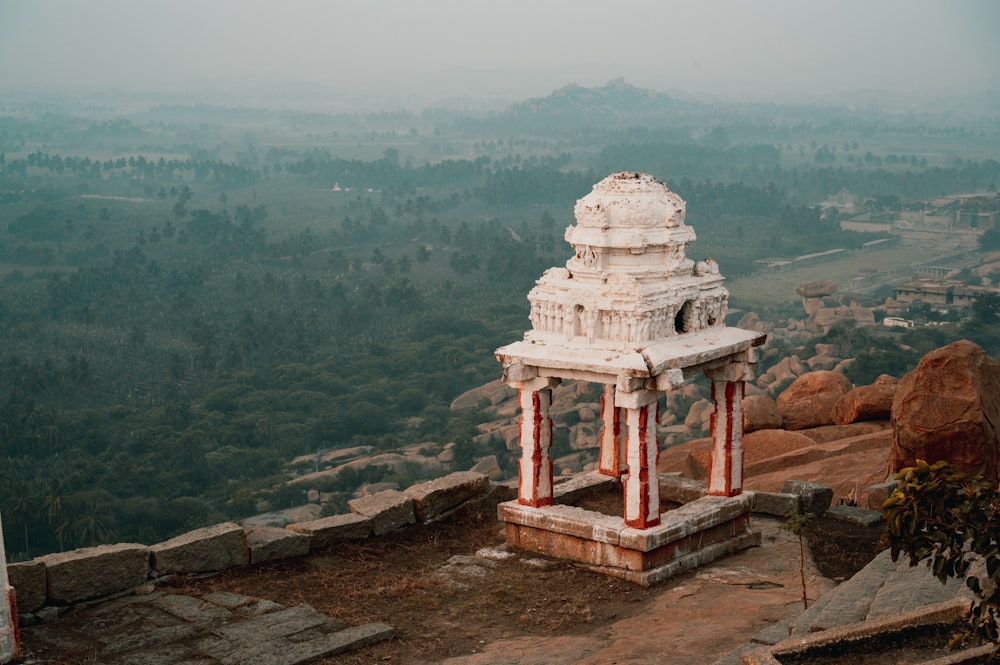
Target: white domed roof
x=629, y=199
x=629, y=282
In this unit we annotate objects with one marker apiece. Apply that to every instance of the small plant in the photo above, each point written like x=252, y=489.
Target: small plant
x=948, y=518
x=796, y=523
x=851, y=499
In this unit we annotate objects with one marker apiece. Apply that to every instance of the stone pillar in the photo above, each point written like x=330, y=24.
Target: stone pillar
x=642, y=489
x=725, y=477
x=10, y=639
x=534, y=487
x=611, y=461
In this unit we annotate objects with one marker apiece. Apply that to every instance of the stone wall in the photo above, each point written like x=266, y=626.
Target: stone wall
x=47, y=585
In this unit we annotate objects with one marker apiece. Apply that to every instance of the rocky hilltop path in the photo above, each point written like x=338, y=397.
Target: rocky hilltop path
x=453, y=594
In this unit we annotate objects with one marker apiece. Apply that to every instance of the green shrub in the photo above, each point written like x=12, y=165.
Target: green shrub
x=943, y=516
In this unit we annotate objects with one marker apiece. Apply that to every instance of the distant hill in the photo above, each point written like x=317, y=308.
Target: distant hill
x=617, y=103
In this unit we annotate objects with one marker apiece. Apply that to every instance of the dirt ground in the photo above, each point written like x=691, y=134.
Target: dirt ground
x=396, y=580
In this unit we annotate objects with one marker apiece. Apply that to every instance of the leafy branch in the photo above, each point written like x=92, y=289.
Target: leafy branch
x=950, y=519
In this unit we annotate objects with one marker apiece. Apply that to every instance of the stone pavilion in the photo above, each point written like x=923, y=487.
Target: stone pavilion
x=630, y=311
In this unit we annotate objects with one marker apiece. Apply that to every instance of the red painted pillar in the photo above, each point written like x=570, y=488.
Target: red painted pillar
x=10, y=638
x=642, y=489
x=611, y=460
x=534, y=486
x=725, y=477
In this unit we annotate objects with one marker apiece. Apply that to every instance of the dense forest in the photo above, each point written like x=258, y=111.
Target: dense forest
x=191, y=296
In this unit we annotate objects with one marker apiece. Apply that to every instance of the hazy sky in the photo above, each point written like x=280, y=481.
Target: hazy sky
x=426, y=50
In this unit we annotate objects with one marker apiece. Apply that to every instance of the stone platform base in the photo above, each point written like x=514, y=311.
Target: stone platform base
x=694, y=534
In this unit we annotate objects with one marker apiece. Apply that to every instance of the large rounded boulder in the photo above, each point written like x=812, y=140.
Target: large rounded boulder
x=872, y=402
x=808, y=402
x=948, y=408
x=759, y=412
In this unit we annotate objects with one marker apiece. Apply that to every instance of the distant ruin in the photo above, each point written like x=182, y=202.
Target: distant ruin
x=630, y=311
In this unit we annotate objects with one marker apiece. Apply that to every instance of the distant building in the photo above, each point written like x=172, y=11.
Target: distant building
x=977, y=212
x=940, y=292
x=897, y=322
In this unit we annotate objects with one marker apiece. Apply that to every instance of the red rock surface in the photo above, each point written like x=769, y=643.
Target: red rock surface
x=689, y=458
x=759, y=412
x=948, y=408
x=851, y=472
x=810, y=399
x=828, y=433
x=872, y=402
x=768, y=443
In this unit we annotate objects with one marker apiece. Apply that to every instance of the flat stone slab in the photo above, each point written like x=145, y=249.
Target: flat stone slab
x=851, y=601
x=913, y=587
x=284, y=652
x=210, y=548
x=677, y=488
x=684, y=563
x=280, y=623
x=28, y=580
x=856, y=515
x=93, y=572
x=802, y=647
x=434, y=498
x=327, y=531
x=177, y=629
x=192, y=610
x=388, y=510
x=268, y=543
x=816, y=498
x=778, y=504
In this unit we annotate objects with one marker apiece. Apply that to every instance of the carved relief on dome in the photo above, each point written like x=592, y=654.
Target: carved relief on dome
x=628, y=286
x=628, y=199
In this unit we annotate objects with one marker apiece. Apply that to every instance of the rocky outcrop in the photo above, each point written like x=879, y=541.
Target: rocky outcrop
x=699, y=415
x=767, y=443
x=491, y=394
x=828, y=433
x=779, y=374
x=813, y=292
x=948, y=408
x=751, y=321
x=489, y=467
x=872, y=402
x=808, y=402
x=690, y=459
x=759, y=412
x=826, y=358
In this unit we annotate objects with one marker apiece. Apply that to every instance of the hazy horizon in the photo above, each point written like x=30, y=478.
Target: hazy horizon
x=413, y=54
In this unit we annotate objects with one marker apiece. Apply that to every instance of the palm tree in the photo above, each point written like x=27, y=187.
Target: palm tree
x=21, y=509
x=93, y=527
x=52, y=506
